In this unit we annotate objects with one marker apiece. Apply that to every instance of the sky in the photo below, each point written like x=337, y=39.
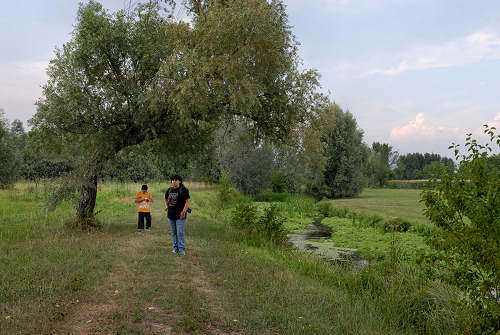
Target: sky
x=417, y=74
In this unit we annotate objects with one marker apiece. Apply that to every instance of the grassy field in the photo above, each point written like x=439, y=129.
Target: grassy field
x=55, y=280
x=387, y=203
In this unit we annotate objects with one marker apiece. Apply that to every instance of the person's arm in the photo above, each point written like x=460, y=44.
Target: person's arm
x=138, y=199
x=184, y=210
x=151, y=198
x=165, y=200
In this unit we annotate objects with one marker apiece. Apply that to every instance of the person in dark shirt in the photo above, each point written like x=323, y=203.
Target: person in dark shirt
x=177, y=204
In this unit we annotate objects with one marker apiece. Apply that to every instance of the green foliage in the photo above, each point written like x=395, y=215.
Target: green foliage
x=411, y=185
x=344, y=152
x=225, y=192
x=129, y=77
x=269, y=196
x=378, y=165
x=271, y=225
x=421, y=166
x=245, y=217
x=247, y=160
x=278, y=181
x=325, y=208
x=466, y=207
x=268, y=225
x=10, y=159
x=396, y=224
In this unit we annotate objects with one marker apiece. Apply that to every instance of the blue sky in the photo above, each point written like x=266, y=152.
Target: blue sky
x=417, y=74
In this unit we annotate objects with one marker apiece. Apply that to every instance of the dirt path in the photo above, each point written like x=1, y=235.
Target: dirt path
x=149, y=290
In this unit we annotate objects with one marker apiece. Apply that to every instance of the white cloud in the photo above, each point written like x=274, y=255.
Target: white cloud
x=495, y=122
x=476, y=47
x=420, y=130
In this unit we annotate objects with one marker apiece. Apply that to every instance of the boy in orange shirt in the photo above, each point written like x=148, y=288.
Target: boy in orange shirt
x=144, y=200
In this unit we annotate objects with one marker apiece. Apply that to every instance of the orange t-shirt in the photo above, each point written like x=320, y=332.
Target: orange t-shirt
x=144, y=206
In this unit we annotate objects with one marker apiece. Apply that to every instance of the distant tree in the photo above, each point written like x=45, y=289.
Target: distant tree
x=135, y=76
x=466, y=207
x=420, y=166
x=345, y=154
x=378, y=169
x=9, y=155
x=247, y=160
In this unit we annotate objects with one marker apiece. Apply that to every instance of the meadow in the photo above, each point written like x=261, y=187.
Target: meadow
x=403, y=203
x=57, y=279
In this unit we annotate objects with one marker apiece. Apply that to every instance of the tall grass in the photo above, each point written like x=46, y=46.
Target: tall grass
x=45, y=265
x=283, y=290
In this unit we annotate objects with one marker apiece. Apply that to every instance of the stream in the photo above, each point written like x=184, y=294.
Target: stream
x=315, y=239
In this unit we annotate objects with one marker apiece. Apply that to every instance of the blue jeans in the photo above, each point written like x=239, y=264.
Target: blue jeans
x=178, y=238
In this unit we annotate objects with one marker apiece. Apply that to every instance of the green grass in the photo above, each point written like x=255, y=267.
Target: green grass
x=118, y=282
x=387, y=203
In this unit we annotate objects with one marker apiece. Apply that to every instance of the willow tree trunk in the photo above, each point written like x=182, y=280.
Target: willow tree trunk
x=86, y=204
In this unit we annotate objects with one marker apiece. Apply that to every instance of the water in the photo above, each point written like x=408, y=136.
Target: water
x=315, y=239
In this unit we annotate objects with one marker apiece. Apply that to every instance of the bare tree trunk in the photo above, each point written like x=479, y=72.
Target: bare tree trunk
x=86, y=204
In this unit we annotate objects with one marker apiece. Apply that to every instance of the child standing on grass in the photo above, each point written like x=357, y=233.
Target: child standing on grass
x=144, y=200
x=177, y=205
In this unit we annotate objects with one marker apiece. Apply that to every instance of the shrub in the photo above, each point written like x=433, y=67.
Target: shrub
x=424, y=229
x=396, y=224
x=466, y=208
x=225, y=192
x=269, y=225
x=324, y=208
x=272, y=197
x=245, y=217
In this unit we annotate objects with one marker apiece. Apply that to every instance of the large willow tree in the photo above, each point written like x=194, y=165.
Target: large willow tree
x=139, y=75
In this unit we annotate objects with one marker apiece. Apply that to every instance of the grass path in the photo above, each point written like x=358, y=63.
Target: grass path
x=219, y=287
x=150, y=290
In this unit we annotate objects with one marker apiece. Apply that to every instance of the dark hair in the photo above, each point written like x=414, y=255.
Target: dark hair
x=176, y=177
x=144, y=187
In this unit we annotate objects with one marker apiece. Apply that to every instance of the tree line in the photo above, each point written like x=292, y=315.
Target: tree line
x=325, y=158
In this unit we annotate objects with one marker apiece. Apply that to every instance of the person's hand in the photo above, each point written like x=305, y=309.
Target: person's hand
x=183, y=215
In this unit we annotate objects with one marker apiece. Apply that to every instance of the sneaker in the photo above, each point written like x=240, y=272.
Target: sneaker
x=182, y=253
x=174, y=252
x=148, y=229
x=139, y=230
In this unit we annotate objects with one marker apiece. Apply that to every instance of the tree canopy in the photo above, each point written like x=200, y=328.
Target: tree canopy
x=138, y=75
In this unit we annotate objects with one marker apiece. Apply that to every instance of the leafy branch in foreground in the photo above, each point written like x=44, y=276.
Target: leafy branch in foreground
x=466, y=207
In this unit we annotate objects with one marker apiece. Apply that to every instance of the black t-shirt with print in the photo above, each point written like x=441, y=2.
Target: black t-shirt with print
x=176, y=201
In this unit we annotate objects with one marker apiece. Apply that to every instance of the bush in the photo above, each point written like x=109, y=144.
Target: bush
x=245, y=217
x=466, y=208
x=424, y=229
x=272, y=197
x=278, y=182
x=324, y=209
x=269, y=225
x=396, y=224
x=225, y=192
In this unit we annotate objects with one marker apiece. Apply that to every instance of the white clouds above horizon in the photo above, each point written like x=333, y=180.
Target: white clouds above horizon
x=482, y=45
x=421, y=132
x=420, y=129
